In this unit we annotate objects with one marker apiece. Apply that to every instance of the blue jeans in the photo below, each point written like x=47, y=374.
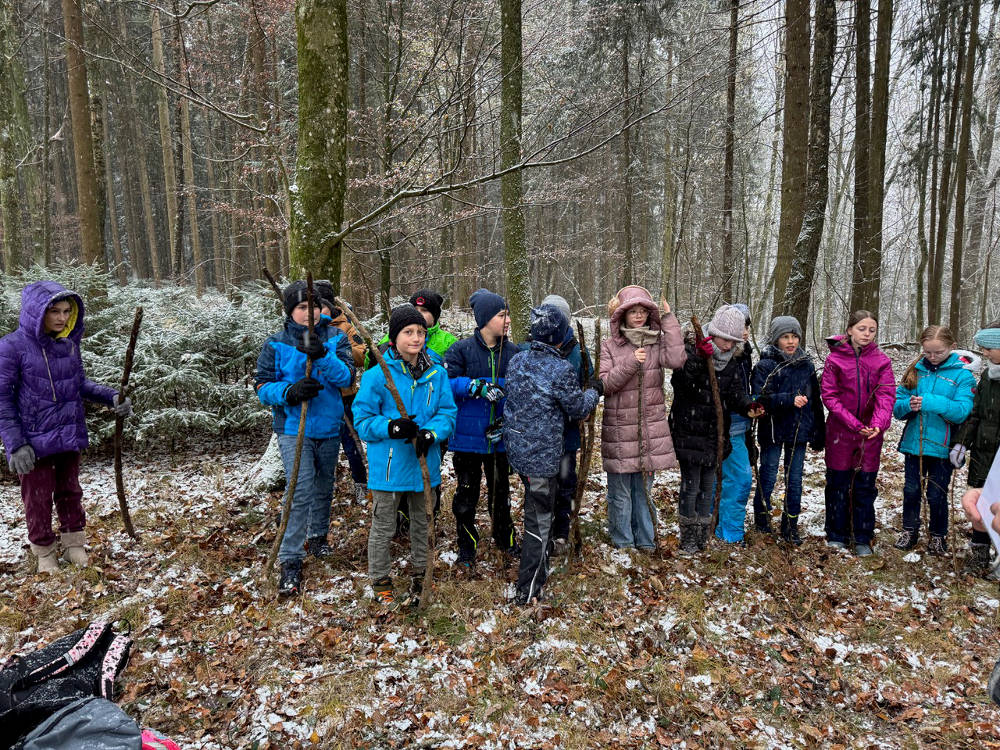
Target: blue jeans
x=629, y=522
x=938, y=474
x=770, y=457
x=737, y=481
x=310, y=511
x=850, y=499
x=351, y=449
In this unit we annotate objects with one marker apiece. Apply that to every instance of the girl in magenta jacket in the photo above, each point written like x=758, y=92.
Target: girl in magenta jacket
x=859, y=390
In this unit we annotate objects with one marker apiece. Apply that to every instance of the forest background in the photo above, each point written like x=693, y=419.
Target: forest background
x=812, y=157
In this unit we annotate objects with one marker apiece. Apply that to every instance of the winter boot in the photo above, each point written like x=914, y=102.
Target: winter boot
x=790, y=529
x=762, y=522
x=291, y=578
x=994, y=684
x=977, y=562
x=412, y=598
x=689, y=535
x=907, y=539
x=384, y=592
x=73, y=550
x=937, y=546
x=863, y=550
x=319, y=547
x=48, y=557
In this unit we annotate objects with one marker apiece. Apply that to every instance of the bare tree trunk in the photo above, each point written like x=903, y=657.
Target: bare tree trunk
x=728, y=264
x=800, y=281
x=795, y=131
x=121, y=270
x=83, y=139
x=867, y=275
x=962, y=172
x=166, y=145
x=669, y=193
x=625, y=221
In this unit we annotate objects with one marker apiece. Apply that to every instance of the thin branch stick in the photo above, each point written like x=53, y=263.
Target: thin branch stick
x=587, y=441
x=120, y=425
x=424, y=470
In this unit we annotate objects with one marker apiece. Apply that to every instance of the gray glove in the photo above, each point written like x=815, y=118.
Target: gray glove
x=957, y=455
x=22, y=461
x=122, y=407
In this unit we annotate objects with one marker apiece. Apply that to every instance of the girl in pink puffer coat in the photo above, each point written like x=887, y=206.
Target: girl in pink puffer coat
x=635, y=438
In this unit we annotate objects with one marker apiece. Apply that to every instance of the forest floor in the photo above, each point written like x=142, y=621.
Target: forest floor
x=761, y=646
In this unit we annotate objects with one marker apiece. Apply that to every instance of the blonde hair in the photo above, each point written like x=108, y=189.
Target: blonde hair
x=930, y=333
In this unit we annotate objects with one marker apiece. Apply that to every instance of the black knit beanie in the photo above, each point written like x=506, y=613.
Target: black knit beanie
x=401, y=317
x=295, y=294
x=429, y=300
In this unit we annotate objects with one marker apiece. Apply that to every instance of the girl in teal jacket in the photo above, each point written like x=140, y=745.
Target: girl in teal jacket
x=935, y=397
x=394, y=443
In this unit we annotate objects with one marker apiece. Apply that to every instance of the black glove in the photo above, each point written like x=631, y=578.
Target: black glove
x=425, y=439
x=598, y=385
x=302, y=390
x=314, y=350
x=402, y=429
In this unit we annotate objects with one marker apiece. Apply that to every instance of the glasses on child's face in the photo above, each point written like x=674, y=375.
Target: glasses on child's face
x=935, y=355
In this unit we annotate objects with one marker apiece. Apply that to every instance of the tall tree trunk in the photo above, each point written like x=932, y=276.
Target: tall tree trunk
x=876, y=144
x=625, y=221
x=800, y=281
x=46, y=252
x=728, y=264
x=512, y=214
x=14, y=138
x=321, y=165
x=83, y=138
x=218, y=250
x=867, y=275
x=121, y=270
x=795, y=133
x=962, y=172
x=669, y=193
x=166, y=145
x=190, y=191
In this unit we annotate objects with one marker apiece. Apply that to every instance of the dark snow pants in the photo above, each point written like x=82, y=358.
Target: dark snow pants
x=937, y=472
x=564, y=497
x=540, y=495
x=850, y=497
x=469, y=470
x=55, y=479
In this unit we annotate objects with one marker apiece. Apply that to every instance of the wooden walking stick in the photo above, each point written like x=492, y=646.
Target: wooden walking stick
x=720, y=427
x=120, y=425
x=293, y=480
x=424, y=470
x=586, y=440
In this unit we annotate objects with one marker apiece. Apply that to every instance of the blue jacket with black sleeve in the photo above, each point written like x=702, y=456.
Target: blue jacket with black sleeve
x=392, y=464
x=466, y=360
x=280, y=364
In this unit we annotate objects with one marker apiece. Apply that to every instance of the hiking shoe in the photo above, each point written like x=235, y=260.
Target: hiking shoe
x=790, y=531
x=977, y=562
x=412, y=598
x=319, y=547
x=762, y=523
x=291, y=578
x=689, y=538
x=993, y=686
x=836, y=545
x=937, y=546
x=512, y=552
x=384, y=593
x=863, y=550
x=907, y=539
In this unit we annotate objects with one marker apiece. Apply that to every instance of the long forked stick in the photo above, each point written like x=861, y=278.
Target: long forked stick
x=424, y=471
x=293, y=480
x=720, y=426
x=587, y=443
x=120, y=425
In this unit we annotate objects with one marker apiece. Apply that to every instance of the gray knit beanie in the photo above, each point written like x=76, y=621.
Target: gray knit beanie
x=560, y=304
x=727, y=323
x=780, y=326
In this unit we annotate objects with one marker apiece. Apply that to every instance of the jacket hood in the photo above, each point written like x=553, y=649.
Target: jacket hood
x=629, y=297
x=840, y=343
x=36, y=299
x=548, y=325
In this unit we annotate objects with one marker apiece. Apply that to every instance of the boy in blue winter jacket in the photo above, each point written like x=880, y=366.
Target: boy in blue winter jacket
x=477, y=367
x=543, y=393
x=784, y=382
x=281, y=384
x=395, y=444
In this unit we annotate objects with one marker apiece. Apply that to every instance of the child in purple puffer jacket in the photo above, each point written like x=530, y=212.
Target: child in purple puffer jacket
x=42, y=422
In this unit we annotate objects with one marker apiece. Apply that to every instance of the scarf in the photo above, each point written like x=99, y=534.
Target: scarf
x=720, y=358
x=640, y=337
x=994, y=371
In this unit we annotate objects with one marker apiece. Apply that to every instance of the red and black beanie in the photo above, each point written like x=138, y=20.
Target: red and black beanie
x=429, y=300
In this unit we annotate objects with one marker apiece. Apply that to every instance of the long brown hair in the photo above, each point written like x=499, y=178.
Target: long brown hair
x=858, y=315
x=930, y=333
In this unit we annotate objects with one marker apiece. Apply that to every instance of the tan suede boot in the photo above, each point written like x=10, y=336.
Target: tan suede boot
x=73, y=550
x=48, y=557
